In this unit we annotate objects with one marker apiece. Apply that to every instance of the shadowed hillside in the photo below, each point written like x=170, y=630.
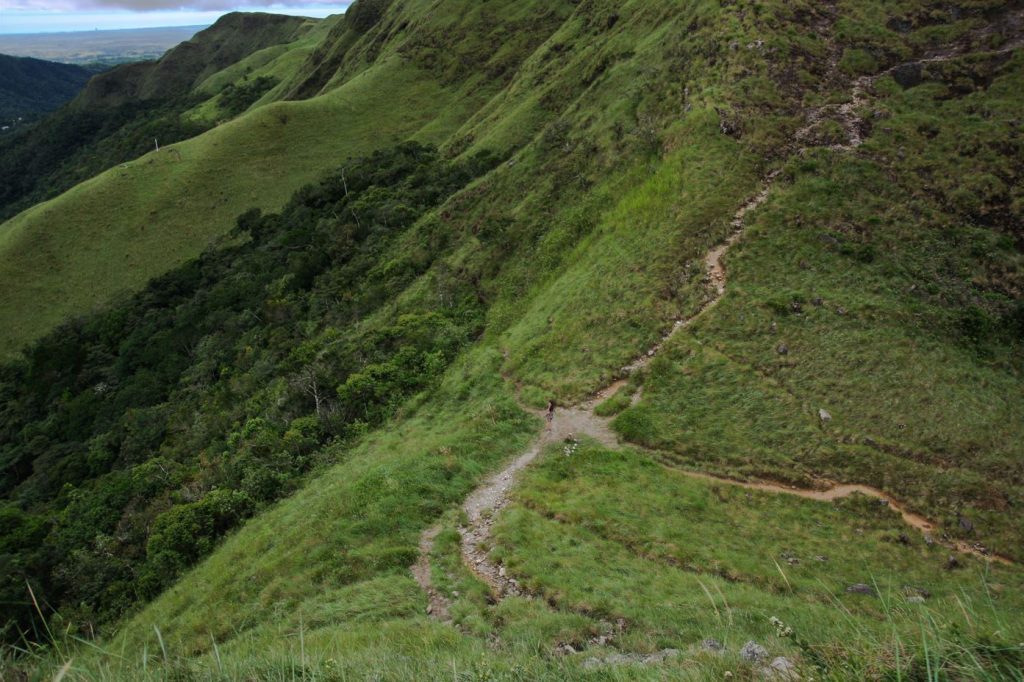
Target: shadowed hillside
x=32, y=86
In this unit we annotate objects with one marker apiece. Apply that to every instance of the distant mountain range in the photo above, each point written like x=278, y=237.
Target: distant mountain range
x=32, y=86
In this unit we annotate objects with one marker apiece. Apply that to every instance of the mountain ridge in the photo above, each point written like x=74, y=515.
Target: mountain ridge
x=693, y=259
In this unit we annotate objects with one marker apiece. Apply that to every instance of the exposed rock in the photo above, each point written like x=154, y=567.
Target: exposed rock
x=753, y=652
x=919, y=592
x=965, y=524
x=862, y=588
x=908, y=75
x=824, y=416
x=627, y=659
x=781, y=668
x=900, y=25
x=712, y=644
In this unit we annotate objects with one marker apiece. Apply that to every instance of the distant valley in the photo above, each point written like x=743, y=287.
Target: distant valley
x=89, y=47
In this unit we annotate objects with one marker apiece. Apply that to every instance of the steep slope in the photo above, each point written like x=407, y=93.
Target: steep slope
x=29, y=87
x=851, y=166
x=178, y=199
x=233, y=37
x=114, y=121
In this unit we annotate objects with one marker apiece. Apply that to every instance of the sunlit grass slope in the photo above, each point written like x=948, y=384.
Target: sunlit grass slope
x=116, y=231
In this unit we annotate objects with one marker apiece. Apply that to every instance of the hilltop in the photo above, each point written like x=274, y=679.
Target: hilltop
x=536, y=340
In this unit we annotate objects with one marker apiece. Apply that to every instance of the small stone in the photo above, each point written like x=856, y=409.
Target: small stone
x=817, y=301
x=782, y=668
x=824, y=416
x=753, y=652
x=952, y=563
x=912, y=591
x=659, y=656
x=965, y=524
x=861, y=588
x=841, y=311
x=915, y=599
x=782, y=349
x=712, y=644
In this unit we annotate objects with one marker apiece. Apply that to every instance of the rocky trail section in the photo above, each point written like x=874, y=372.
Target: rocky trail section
x=566, y=425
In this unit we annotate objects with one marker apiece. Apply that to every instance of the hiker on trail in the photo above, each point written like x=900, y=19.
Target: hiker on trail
x=551, y=412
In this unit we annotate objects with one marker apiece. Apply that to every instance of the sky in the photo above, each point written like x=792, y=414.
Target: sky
x=44, y=16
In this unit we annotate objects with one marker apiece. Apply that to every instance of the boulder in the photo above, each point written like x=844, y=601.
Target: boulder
x=862, y=588
x=908, y=75
x=712, y=644
x=753, y=652
x=781, y=668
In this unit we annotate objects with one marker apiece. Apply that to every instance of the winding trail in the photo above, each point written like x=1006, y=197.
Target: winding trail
x=484, y=504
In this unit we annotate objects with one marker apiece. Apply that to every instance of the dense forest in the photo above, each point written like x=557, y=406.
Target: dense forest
x=30, y=87
x=134, y=438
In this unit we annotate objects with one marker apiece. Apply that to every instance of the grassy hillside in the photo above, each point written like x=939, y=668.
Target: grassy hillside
x=257, y=160
x=866, y=329
x=233, y=37
x=112, y=121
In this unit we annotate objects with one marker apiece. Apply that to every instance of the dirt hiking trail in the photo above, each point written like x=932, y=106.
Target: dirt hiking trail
x=569, y=424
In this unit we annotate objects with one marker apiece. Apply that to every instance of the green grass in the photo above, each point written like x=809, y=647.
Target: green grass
x=894, y=312
x=69, y=255
x=586, y=522
x=583, y=248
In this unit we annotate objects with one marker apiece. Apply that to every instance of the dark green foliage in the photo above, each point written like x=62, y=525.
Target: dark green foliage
x=33, y=86
x=133, y=439
x=365, y=14
x=235, y=99
x=186, y=532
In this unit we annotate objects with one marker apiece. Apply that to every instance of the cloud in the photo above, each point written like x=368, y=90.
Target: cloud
x=163, y=5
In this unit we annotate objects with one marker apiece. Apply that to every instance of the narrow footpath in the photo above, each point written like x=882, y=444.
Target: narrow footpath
x=485, y=503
